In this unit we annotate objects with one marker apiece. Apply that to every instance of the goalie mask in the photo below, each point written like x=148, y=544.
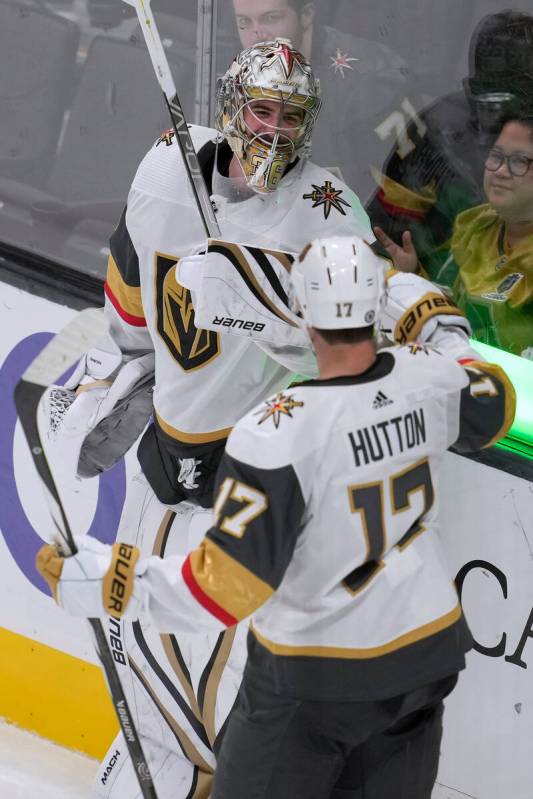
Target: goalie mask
x=338, y=283
x=272, y=72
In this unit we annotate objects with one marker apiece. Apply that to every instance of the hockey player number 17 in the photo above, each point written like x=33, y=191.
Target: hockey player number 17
x=367, y=501
x=255, y=502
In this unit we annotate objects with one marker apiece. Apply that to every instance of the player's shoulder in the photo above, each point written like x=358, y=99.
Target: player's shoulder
x=162, y=166
x=422, y=364
x=329, y=205
x=277, y=432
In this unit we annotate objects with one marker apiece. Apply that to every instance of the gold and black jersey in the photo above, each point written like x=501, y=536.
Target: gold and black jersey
x=326, y=526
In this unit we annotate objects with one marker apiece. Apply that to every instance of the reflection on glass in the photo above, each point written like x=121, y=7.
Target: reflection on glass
x=81, y=108
x=492, y=246
x=436, y=168
x=431, y=211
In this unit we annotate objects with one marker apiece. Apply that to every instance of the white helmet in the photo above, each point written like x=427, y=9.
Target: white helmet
x=267, y=71
x=338, y=283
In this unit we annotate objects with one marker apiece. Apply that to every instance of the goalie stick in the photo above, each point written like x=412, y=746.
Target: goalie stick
x=59, y=354
x=179, y=123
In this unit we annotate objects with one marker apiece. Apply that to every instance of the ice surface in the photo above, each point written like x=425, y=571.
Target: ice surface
x=32, y=768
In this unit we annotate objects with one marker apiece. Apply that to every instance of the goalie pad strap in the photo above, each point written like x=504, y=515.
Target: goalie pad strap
x=117, y=585
x=432, y=304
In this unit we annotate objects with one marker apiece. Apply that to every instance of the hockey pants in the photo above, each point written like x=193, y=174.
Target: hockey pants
x=180, y=688
x=281, y=748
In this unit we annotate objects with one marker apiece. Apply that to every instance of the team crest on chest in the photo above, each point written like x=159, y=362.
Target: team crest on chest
x=281, y=405
x=328, y=197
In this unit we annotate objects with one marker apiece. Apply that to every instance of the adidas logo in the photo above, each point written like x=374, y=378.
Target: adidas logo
x=381, y=400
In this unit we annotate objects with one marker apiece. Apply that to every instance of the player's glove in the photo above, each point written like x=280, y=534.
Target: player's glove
x=243, y=291
x=100, y=411
x=99, y=580
x=416, y=310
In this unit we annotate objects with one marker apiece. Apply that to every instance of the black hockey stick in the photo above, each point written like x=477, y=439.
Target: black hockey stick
x=60, y=353
x=179, y=123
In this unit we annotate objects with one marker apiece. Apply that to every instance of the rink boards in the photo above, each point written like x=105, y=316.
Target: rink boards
x=49, y=678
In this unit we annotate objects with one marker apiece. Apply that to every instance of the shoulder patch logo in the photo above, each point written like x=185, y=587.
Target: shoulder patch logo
x=328, y=197
x=414, y=349
x=281, y=405
x=381, y=401
x=166, y=137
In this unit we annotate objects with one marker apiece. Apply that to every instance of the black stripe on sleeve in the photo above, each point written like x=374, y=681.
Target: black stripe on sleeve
x=487, y=408
x=266, y=542
x=124, y=254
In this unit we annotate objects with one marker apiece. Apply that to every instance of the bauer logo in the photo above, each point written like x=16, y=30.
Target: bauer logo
x=227, y=321
x=115, y=640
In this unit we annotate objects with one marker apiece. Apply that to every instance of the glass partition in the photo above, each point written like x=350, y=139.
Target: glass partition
x=427, y=114
x=80, y=108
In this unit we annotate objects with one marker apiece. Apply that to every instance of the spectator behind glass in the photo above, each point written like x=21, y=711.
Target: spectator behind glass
x=422, y=191
x=490, y=262
x=362, y=82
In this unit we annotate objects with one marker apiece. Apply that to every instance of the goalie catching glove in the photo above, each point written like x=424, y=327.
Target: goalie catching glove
x=97, y=581
x=100, y=411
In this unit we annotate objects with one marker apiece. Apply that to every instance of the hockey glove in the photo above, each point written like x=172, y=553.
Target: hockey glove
x=417, y=311
x=99, y=580
x=243, y=291
x=101, y=411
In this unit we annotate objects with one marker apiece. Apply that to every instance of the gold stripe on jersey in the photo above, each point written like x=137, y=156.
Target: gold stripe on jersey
x=228, y=583
x=347, y=653
x=243, y=263
x=128, y=297
x=192, y=438
x=191, y=752
x=402, y=197
x=510, y=397
x=213, y=682
x=413, y=320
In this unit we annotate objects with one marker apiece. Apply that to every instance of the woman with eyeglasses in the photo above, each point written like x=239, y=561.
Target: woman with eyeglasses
x=490, y=265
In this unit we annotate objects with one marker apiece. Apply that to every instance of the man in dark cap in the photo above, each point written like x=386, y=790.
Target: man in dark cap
x=436, y=170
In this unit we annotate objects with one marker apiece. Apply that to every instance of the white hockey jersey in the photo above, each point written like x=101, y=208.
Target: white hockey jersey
x=204, y=381
x=326, y=529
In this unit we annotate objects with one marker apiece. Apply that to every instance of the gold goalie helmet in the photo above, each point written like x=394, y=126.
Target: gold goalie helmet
x=267, y=71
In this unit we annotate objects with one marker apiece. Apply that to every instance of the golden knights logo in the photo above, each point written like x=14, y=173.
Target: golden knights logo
x=166, y=137
x=281, y=405
x=190, y=347
x=328, y=197
x=415, y=349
